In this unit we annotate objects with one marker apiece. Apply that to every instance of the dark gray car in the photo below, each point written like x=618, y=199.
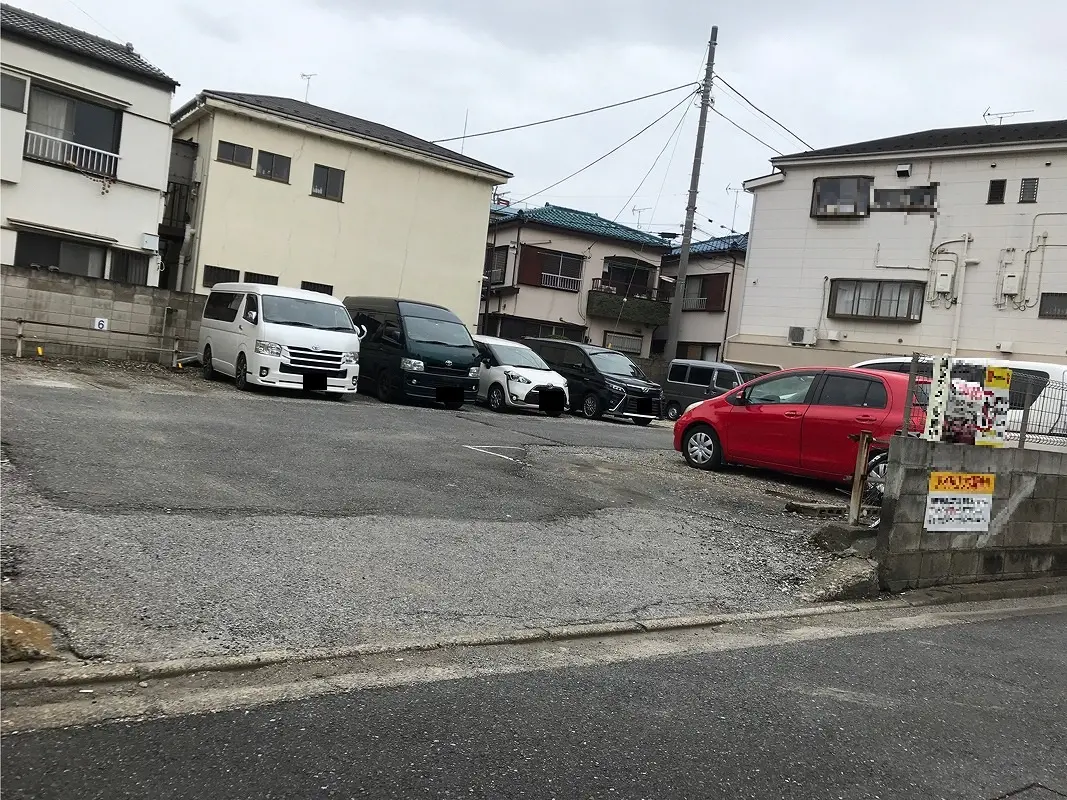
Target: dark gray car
x=690, y=381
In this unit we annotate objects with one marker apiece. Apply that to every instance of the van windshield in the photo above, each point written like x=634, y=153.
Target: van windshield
x=437, y=331
x=617, y=364
x=305, y=313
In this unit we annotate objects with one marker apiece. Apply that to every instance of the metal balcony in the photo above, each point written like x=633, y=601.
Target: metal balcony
x=53, y=150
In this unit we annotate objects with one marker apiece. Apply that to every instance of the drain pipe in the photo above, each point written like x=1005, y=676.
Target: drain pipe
x=957, y=317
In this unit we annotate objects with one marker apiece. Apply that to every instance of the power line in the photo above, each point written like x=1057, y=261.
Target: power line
x=659, y=155
x=94, y=19
x=615, y=149
x=565, y=116
x=724, y=82
x=754, y=136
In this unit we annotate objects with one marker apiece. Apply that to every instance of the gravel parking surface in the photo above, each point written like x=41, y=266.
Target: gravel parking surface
x=155, y=515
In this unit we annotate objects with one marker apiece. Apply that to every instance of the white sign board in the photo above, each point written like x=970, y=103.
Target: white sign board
x=100, y=324
x=959, y=501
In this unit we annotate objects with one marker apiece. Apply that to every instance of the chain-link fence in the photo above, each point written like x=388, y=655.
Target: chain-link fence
x=1034, y=411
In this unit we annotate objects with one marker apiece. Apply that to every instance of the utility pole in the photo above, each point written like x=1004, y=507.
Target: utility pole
x=675, y=320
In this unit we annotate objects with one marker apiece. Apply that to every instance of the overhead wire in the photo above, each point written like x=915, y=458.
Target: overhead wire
x=724, y=82
x=746, y=132
x=612, y=151
x=564, y=116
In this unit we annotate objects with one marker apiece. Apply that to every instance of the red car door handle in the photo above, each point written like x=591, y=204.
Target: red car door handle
x=865, y=418
x=791, y=414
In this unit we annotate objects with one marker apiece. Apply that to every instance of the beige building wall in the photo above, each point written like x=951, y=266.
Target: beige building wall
x=405, y=227
x=792, y=258
x=710, y=327
x=562, y=307
x=30, y=191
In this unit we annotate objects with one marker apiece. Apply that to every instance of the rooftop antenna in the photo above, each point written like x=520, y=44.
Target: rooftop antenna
x=737, y=194
x=463, y=141
x=639, y=212
x=306, y=78
x=999, y=116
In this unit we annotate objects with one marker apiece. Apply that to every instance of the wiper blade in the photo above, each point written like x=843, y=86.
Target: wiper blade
x=339, y=328
x=435, y=341
x=292, y=322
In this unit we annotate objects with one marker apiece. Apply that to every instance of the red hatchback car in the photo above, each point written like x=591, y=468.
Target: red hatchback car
x=796, y=421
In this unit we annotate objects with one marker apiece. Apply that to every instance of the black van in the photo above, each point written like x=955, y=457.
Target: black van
x=602, y=381
x=414, y=350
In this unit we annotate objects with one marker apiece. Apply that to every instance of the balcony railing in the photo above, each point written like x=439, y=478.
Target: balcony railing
x=554, y=281
x=42, y=147
x=694, y=304
x=496, y=277
x=617, y=287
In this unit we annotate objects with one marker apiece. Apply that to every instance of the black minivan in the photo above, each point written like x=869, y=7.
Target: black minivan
x=602, y=381
x=414, y=350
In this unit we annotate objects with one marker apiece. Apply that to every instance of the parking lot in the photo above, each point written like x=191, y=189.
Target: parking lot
x=150, y=514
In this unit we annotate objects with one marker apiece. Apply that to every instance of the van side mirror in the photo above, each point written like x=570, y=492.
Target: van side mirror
x=250, y=316
x=361, y=332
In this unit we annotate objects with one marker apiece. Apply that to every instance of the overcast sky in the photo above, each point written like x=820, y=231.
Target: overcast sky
x=832, y=72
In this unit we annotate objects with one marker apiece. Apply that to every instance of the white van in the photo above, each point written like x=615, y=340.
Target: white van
x=275, y=336
x=1042, y=385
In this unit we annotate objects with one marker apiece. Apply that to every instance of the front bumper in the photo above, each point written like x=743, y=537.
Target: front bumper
x=279, y=373
x=635, y=405
x=432, y=386
x=529, y=395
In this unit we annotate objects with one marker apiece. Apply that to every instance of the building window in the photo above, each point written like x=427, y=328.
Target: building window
x=328, y=182
x=496, y=264
x=516, y=328
x=311, y=286
x=623, y=342
x=129, y=267
x=913, y=198
x=629, y=280
x=880, y=300
x=59, y=255
x=273, y=167
x=1053, y=305
x=841, y=197
x=705, y=292
x=1028, y=190
x=699, y=351
x=73, y=132
x=998, y=188
x=12, y=92
x=213, y=275
x=259, y=277
x=230, y=153
x=561, y=271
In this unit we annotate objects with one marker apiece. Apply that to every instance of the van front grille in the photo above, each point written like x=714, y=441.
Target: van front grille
x=314, y=359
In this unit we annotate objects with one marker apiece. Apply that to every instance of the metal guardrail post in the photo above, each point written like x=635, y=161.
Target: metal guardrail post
x=174, y=354
x=18, y=337
x=1024, y=423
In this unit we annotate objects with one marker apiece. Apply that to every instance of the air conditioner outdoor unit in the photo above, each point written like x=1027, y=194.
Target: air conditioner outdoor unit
x=802, y=337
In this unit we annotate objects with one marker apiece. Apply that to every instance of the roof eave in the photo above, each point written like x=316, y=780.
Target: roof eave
x=527, y=221
x=133, y=74
x=811, y=159
x=220, y=101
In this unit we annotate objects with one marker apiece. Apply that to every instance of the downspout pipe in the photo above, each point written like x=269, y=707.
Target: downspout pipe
x=729, y=307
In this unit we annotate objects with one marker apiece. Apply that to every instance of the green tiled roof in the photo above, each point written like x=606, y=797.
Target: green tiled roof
x=583, y=222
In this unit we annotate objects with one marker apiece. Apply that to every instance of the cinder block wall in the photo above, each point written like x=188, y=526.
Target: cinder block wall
x=1027, y=536
x=143, y=321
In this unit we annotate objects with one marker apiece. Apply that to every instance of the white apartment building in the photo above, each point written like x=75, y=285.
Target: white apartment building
x=84, y=151
x=945, y=241
x=714, y=283
x=290, y=193
x=556, y=271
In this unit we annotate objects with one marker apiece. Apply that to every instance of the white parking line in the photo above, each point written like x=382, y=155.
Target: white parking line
x=488, y=450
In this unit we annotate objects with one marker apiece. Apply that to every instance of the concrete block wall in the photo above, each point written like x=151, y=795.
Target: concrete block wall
x=143, y=321
x=1027, y=536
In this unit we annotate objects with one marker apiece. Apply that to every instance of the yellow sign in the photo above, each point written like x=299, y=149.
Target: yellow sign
x=961, y=482
x=998, y=378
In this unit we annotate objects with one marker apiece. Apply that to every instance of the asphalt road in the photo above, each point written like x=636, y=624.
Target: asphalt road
x=152, y=516
x=969, y=711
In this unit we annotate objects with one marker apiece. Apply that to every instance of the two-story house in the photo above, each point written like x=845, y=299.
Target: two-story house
x=84, y=152
x=714, y=282
x=555, y=271
x=945, y=241
x=287, y=192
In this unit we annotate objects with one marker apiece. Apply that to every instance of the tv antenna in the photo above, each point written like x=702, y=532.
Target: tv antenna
x=737, y=195
x=1000, y=116
x=306, y=78
x=639, y=212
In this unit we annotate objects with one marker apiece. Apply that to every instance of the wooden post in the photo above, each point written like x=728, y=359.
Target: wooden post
x=855, y=505
x=18, y=339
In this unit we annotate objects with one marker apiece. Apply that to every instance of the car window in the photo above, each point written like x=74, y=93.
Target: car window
x=701, y=376
x=552, y=353
x=572, y=357
x=223, y=306
x=784, y=389
x=852, y=392
x=391, y=330
x=252, y=309
x=369, y=321
x=677, y=373
x=726, y=379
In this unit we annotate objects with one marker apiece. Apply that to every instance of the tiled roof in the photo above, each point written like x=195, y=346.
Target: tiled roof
x=16, y=23
x=583, y=222
x=736, y=242
x=945, y=139
x=349, y=124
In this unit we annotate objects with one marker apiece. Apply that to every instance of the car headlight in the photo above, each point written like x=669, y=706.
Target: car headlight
x=474, y=372
x=515, y=377
x=691, y=406
x=349, y=358
x=412, y=365
x=617, y=388
x=265, y=348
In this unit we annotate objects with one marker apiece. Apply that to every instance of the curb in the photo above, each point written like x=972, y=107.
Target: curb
x=64, y=675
